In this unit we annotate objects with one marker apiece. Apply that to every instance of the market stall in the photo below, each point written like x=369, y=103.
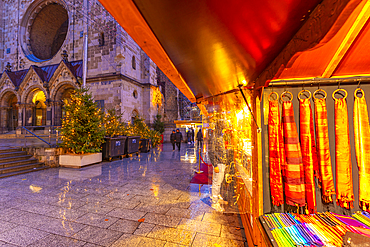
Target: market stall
x=245, y=63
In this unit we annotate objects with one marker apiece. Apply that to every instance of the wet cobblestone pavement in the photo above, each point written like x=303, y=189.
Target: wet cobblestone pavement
x=139, y=201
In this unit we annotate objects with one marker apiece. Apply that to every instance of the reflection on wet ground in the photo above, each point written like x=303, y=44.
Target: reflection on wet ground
x=138, y=201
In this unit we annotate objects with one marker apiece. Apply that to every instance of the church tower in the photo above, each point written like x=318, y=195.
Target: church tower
x=41, y=56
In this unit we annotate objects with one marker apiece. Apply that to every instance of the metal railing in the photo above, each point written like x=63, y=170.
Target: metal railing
x=50, y=132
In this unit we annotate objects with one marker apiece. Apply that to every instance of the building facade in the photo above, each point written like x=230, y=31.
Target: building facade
x=41, y=55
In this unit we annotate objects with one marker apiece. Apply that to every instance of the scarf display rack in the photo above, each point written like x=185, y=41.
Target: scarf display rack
x=320, y=229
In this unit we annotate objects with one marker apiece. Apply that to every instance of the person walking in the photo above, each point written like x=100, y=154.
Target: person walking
x=178, y=138
x=172, y=139
x=199, y=137
x=188, y=135
x=192, y=135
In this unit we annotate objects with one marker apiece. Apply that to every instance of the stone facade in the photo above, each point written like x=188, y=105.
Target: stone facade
x=120, y=75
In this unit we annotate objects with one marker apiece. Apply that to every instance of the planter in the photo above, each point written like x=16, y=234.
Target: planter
x=132, y=144
x=79, y=160
x=114, y=147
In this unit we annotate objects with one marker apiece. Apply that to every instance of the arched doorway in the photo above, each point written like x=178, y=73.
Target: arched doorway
x=9, y=112
x=61, y=98
x=12, y=113
x=39, y=112
x=35, y=113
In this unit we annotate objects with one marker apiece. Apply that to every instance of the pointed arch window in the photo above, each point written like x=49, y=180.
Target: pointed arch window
x=133, y=62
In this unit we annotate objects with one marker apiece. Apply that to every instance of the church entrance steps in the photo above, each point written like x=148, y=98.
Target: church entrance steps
x=14, y=161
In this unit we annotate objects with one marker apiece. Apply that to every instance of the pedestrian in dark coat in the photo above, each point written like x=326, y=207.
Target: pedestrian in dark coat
x=178, y=138
x=200, y=137
x=188, y=135
x=192, y=135
x=172, y=139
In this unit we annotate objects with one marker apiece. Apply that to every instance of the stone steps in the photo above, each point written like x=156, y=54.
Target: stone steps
x=15, y=158
x=14, y=161
x=12, y=154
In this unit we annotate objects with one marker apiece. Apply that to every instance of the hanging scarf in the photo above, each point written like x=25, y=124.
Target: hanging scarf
x=362, y=146
x=322, y=143
x=309, y=155
x=343, y=162
x=293, y=174
x=276, y=152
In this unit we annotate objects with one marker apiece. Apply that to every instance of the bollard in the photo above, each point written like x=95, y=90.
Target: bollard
x=199, y=171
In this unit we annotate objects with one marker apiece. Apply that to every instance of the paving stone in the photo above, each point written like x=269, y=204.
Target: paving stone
x=5, y=226
x=156, y=208
x=96, y=235
x=164, y=220
x=56, y=240
x=3, y=244
x=185, y=213
x=96, y=208
x=22, y=236
x=150, y=242
x=30, y=219
x=127, y=240
x=98, y=220
x=66, y=213
x=204, y=240
x=127, y=214
x=199, y=226
x=173, y=235
x=38, y=208
x=95, y=198
x=69, y=203
x=119, y=203
x=61, y=227
x=8, y=214
x=143, y=229
x=169, y=244
x=232, y=232
x=217, y=217
x=125, y=226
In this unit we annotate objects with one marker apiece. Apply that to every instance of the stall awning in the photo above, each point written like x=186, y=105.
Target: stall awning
x=210, y=47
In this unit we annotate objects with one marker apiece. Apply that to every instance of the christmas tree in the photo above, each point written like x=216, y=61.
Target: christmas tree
x=82, y=130
x=158, y=124
x=112, y=124
x=139, y=128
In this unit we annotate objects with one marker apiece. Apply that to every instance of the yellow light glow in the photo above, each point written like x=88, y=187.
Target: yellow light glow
x=155, y=189
x=39, y=96
x=35, y=188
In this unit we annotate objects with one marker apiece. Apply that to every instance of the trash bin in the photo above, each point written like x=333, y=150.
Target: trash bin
x=132, y=144
x=114, y=147
x=144, y=145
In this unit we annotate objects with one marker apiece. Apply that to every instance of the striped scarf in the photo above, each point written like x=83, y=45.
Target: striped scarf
x=276, y=153
x=362, y=146
x=343, y=162
x=294, y=174
x=322, y=143
x=309, y=155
